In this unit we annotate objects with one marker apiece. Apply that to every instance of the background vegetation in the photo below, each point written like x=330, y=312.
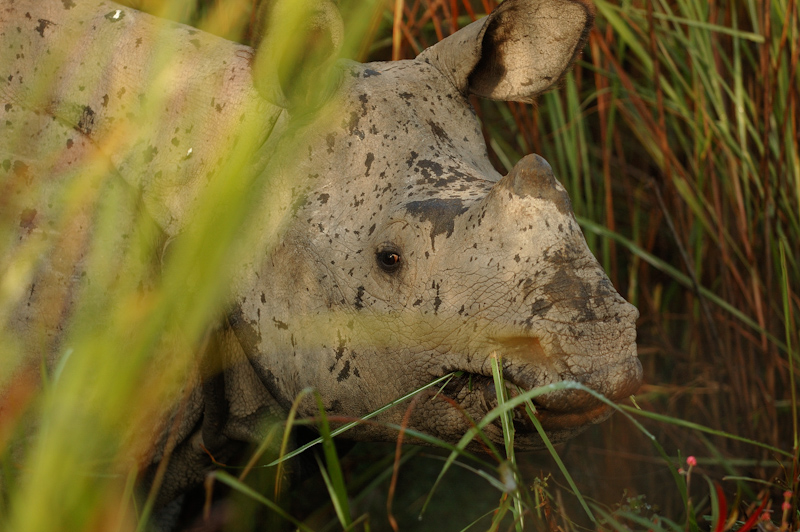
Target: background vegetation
x=677, y=138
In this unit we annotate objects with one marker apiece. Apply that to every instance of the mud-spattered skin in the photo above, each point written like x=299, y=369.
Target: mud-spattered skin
x=404, y=256
x=486, y=265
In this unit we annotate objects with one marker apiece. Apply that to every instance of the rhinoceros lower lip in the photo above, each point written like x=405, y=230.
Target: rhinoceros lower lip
x=464, y=384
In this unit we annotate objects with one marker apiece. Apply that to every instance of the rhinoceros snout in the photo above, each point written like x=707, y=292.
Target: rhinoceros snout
x=614, y=378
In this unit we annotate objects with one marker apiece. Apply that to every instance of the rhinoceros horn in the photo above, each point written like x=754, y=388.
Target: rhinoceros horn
x=516, y=52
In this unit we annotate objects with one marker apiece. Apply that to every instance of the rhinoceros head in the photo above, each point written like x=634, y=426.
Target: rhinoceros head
x=408, y=256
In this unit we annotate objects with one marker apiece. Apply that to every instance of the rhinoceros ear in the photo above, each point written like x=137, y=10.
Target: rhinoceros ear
x=298, y=43
x=518, y=51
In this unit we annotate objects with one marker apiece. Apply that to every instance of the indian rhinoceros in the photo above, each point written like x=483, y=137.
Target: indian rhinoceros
x=400, y=254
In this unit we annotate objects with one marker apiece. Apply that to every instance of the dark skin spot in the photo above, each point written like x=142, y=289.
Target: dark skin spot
x=344, y=373
x=149, y=154
x=573, y=293
x=368, y=162
x=359, y=302
x=440, y=133
x=26, y=219
x=363, y=98
x=86, y=120
x=440, y=212
x=22, y=170
x=430, y=167
x=43, y=24
x=248, y=335
x=540, y=306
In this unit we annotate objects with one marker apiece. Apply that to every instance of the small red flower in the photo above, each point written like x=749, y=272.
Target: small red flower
x=691, y=461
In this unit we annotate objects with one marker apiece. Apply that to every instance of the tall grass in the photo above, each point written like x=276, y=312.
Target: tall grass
x=677, y=138
x=79, y=426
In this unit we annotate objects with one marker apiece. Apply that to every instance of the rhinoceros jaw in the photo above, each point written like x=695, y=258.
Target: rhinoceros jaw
x=464, y=384
x=553, y=421
x=560, y=412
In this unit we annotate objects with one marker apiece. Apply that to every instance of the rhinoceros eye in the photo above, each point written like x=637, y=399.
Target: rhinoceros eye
x=389, y=259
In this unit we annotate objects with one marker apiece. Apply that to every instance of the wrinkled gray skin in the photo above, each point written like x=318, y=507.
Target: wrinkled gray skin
x=406, y=255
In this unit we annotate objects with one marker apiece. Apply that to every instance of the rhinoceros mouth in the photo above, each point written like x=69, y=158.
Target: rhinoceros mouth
x=465, y=389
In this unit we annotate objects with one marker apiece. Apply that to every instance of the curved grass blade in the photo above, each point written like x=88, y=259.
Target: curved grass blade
x=231, y=481
x=508, y=437
x=531, y=410
x=340, y=506
x=348, y=426
x=478, y=520
x=334, y=479
x=700, y=428
x=285, y=441
x=490, y=417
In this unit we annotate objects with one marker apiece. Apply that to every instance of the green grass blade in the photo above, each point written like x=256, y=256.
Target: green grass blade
x=234, y=483
x=490, y=417
x=284, y=441
x=787, y=313
x=334, y=478
x=348, y=426
x=508, y=436
x=478, y=520
x=340, y=504
x=700, y=428
x=531, y=410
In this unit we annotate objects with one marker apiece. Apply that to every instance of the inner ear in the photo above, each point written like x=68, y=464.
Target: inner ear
x=527, y=46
